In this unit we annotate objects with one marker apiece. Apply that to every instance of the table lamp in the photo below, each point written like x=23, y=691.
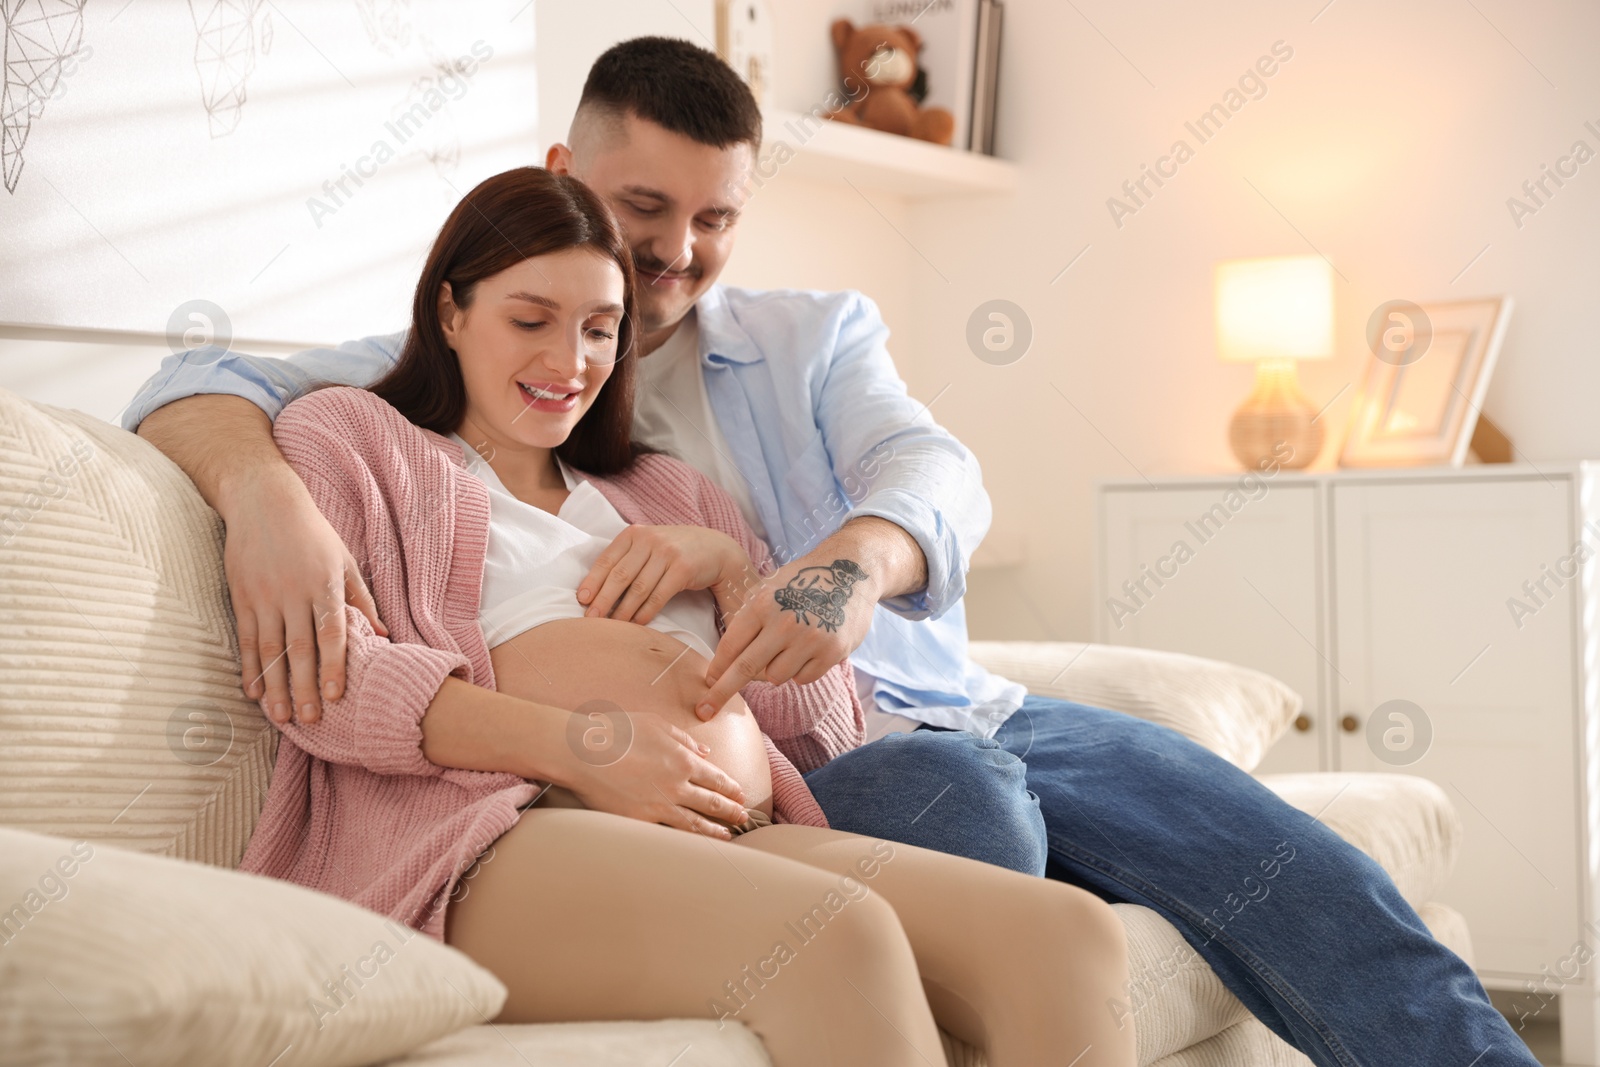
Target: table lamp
x=1272, y=312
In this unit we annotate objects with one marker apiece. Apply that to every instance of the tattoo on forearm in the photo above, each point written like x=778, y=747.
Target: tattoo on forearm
x=817, y=595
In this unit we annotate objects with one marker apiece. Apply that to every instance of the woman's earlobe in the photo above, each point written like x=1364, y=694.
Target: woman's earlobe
x=447, y=312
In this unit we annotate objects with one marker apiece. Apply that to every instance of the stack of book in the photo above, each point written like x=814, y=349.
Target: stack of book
x=986, y=77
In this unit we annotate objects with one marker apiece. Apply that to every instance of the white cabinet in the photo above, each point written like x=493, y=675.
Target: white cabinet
x=1422, y=573
x=1470, y=594
x=1246, y=589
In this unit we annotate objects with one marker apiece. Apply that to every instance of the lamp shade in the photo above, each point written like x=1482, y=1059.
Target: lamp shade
x=1279, y=308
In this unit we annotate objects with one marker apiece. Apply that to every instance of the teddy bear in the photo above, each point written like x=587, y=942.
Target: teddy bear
x=883, y=82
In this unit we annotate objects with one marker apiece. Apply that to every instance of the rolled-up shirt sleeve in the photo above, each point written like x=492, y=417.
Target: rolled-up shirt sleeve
x=268, y=382
x=893, y=461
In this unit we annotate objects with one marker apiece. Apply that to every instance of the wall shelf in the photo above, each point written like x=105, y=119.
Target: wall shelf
x=831, y=151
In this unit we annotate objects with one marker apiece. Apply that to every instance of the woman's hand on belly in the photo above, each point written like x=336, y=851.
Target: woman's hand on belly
x=662, y=776
x=635, y=747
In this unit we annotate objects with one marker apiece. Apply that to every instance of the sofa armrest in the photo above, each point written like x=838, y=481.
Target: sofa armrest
x=1233, y=711
x=1406, y=823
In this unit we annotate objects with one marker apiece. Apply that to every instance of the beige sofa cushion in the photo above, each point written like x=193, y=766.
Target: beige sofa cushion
x=678, y=1042
x=1185, y=1017
x=1245, y=1042
x=1449, y=927
x=1406, y=823
x=109, y=957
x=1233, y=711
x=120, y=709
x=1174, y=999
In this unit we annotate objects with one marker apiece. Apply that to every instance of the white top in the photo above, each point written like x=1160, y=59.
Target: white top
x=536, y=560
x=672, y=414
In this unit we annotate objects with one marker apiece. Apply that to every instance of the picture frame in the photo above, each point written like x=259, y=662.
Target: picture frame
x=745, y=43
x=1427, y=372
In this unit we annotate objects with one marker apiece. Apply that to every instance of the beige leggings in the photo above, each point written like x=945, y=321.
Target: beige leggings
x=832, y=948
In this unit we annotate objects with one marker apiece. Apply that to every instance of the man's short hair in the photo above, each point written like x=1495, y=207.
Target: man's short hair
x=676, y=85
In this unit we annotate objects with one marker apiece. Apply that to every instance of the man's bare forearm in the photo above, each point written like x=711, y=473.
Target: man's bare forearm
x=223, y=443
x=891, y=557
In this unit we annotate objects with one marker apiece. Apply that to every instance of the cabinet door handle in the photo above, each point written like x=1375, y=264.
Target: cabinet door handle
x=1302, y=723
x=1350, y=724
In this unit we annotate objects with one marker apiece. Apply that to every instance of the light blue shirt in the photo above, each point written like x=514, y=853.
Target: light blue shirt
x=821, y=428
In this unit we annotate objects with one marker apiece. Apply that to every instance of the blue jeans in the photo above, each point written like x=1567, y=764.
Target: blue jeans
x=1304, y=928
x=947, y=790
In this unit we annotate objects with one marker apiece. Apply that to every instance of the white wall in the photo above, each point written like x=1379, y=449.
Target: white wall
x=97, y=372
x=796, y=233
x=1390, y=142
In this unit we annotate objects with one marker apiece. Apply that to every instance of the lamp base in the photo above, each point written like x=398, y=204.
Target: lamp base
x=1277, y=423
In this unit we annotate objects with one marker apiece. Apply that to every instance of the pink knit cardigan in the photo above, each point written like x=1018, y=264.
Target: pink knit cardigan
x=354, y=808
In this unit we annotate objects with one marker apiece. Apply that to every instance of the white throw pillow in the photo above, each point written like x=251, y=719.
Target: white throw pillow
x=114, y=957
x=1234, y=711
x=120, y=702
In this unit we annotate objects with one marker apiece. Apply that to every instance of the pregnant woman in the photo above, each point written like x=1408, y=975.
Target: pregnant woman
x=478, y=484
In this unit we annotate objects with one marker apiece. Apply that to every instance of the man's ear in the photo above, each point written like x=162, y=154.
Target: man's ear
x=558, y=160
x=448, y=313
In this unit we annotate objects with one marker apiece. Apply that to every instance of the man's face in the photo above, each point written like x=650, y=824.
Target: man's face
x=678, y=201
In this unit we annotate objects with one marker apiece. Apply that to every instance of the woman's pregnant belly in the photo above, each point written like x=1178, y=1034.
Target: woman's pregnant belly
x=569, y=662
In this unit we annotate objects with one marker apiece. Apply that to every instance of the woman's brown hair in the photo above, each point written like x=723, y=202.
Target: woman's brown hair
x=511, y=217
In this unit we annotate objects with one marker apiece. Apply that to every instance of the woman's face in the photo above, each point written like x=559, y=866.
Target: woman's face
x=536, y=343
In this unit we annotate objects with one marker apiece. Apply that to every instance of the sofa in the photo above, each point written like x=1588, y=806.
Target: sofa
x=133, y=770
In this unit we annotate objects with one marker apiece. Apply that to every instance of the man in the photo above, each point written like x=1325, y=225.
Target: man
x=790, y=401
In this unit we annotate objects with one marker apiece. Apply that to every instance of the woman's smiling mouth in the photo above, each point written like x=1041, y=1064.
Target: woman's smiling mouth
x=547, y=396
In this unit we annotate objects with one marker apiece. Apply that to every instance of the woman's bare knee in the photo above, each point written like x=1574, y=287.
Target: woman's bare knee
x=836, y=918
x=1083, y=919
x=1069, y=924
